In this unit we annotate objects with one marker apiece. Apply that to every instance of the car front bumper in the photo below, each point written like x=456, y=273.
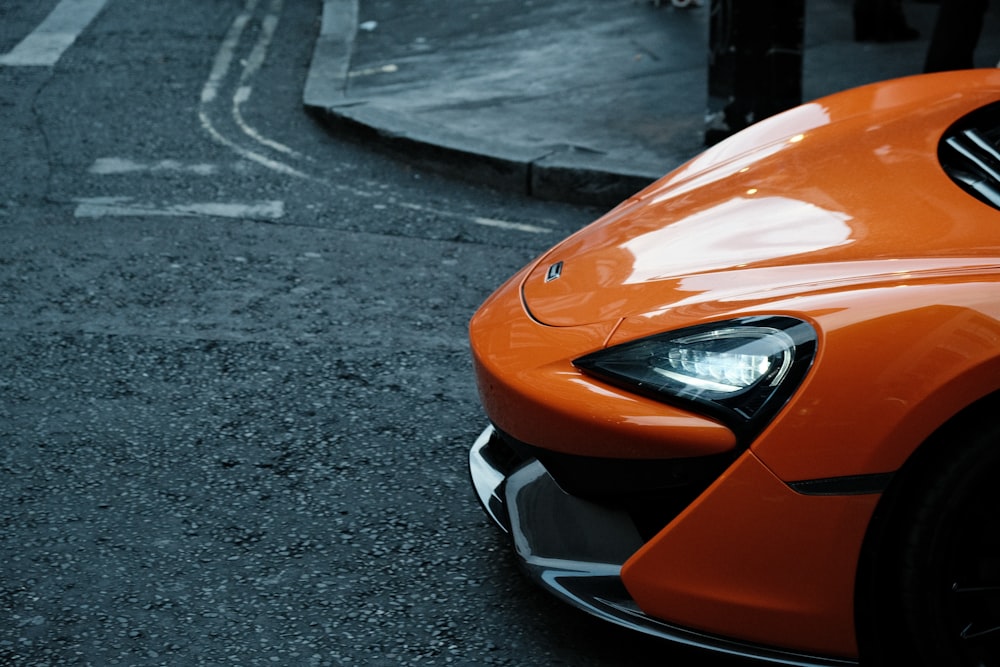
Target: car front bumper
x=575, y=549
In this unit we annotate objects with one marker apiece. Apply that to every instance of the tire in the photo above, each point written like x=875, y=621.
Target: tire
x=942, y=567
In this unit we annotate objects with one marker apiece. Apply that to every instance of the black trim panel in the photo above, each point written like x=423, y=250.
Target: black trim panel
x=852, y=485
x=652, y=491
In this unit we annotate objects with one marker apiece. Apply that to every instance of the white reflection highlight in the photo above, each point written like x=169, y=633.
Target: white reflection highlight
x=738, y=232
x=740, y=152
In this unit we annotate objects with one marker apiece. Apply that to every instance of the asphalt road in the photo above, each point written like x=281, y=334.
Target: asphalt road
x=235, y=394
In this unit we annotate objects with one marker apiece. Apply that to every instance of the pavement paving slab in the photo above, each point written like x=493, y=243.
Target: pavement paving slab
x=580, y=101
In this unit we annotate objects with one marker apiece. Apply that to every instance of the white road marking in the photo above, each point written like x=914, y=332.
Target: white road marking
x=486, y=222
x=270, y=210
x=251, y=66
x=46, y=43
x=224, y=57
x=101, y=207
x=115, y=165
x=221, y=66
x=504, y=224
x=371, y=71
x=253, y=156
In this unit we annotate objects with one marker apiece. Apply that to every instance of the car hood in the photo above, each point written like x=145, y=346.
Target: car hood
x=844, y=190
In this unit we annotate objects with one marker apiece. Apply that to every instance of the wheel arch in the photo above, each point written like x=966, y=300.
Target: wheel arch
x=872, y=617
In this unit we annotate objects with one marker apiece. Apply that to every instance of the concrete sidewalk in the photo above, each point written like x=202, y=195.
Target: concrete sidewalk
x=579, y=101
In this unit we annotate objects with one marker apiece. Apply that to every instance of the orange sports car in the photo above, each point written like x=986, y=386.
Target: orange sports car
x=755, y=407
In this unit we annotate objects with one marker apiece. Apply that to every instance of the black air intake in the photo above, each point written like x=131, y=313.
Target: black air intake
x=970, y=154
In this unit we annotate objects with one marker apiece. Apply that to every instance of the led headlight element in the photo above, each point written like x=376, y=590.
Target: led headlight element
x=727, y=361
x=741, y=371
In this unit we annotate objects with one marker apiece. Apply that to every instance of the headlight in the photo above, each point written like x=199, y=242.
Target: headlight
x=741, y=371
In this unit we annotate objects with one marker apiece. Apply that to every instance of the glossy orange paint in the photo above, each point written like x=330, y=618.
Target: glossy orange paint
x=837, y=213
x=807, y=207
x=531, y=390
x=884, y=384
x=745, y=560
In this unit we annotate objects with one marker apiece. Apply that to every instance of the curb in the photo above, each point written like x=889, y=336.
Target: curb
x=565, y=174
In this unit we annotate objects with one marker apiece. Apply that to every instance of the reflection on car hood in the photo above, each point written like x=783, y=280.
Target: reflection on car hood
x=843, y=190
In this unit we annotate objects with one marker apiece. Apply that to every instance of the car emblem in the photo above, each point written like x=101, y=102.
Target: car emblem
x=554, y=272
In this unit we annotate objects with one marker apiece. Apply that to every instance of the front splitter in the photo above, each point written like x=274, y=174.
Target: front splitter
x=575, y=549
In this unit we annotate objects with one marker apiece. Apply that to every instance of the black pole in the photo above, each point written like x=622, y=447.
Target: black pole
x=754, y=62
